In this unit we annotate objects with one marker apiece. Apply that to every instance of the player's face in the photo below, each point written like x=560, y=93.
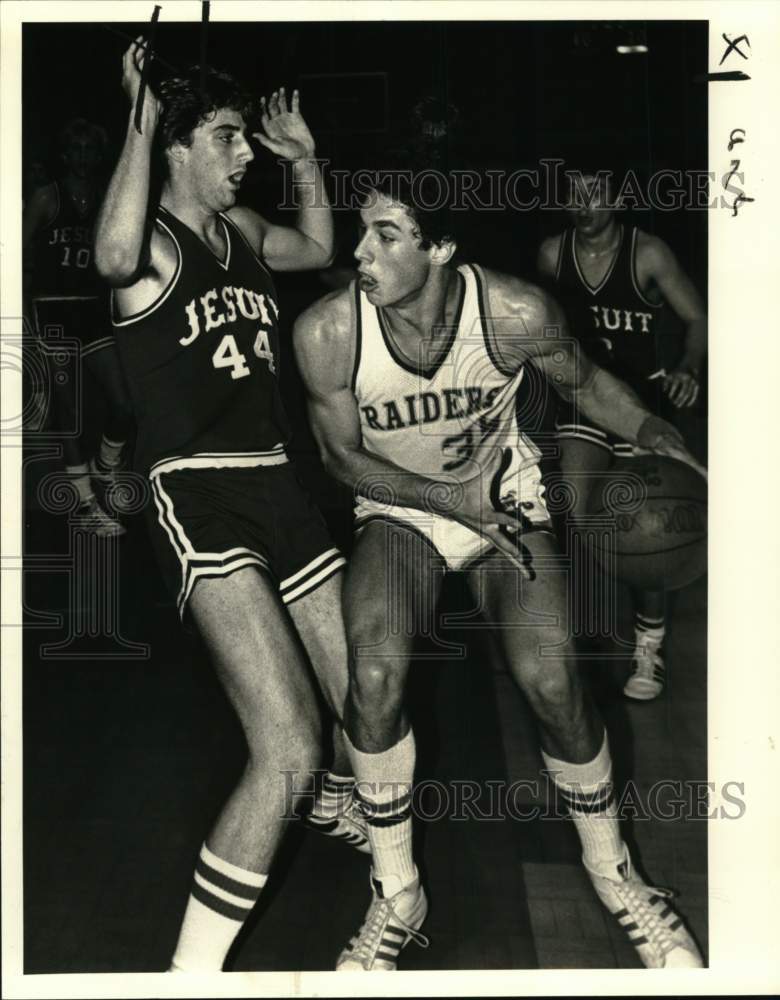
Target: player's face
x=217, y=159
x=82, y=156
x=392, y=265
x=589, y=207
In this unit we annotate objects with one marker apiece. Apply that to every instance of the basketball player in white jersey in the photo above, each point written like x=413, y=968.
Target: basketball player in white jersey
x=239, y=542
x=613, y=282
x=416, y=378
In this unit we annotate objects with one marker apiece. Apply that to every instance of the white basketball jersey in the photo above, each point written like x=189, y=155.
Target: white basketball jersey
x=435, y=415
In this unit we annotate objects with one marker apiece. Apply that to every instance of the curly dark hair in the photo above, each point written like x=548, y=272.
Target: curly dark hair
x=422, y=190
x=185, y=106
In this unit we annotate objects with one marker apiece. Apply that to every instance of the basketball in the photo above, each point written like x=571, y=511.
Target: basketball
x=647, y=522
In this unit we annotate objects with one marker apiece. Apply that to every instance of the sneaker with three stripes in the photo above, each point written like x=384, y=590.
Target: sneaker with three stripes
x=653, y=926
x=648, y=670
x=393, y=920
x=348, y=826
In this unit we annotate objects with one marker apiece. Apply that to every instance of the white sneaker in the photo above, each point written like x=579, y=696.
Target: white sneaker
x=104, y=473
x=349, y=826
x=391, y=923
x=652, y=925
x=649, y=672
x=91, y=517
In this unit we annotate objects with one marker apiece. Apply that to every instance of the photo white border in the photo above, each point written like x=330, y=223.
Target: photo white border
x=744, y=679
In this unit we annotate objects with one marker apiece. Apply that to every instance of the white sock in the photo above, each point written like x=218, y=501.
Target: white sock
x=79, y=476
x=110, y=451
x=653, y=629
x=334, y=796
x=383, y=793
x=587, y=790
x=222, y=898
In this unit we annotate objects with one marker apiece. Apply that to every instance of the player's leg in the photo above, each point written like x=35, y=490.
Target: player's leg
x=259, y=664
x=319, y=621
x=391, y=588
x=648, y=670
x=530, y=619
x=105, y=366
x=68, y=420
x=583, y=461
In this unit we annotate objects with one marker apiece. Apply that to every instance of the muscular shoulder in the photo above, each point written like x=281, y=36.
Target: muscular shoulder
x=251, y=224
x=547, y=256
x=652, y=253
x=513, y=300
x=324, y=337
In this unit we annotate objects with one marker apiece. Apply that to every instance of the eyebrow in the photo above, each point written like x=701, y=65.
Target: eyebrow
x=387, y=224
x=226, y=127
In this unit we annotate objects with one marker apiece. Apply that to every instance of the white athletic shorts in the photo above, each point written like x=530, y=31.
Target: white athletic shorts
x=517, y=488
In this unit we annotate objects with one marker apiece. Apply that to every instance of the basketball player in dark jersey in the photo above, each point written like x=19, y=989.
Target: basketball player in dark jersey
x=413, y=375
x=242, y=546
x=65, y=296
x=613, y=282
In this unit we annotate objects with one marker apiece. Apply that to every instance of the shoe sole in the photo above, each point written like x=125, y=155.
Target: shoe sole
x=642, y=697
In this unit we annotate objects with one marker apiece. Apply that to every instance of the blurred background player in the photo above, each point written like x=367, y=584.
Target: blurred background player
x=613, y=281
x=65, y=297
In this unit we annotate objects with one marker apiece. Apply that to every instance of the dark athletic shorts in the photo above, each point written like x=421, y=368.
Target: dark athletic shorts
x=571, y=423
x=83, y=318
x=210, y=522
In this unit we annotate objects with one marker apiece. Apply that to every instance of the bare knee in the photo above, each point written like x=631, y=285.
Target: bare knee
x=376, y=683
x=551, y=683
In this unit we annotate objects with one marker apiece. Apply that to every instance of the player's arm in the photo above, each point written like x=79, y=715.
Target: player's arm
x=658, y=263
x=309, y=243
x=324, y=348
x=122, y=238
x=547, y=257
x=530, y=327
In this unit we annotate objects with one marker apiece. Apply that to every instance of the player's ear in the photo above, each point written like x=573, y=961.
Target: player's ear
x=176, y=152
x=442, y=253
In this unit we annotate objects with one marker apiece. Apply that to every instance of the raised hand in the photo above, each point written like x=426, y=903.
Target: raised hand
x=285, y=132
x=132, y=67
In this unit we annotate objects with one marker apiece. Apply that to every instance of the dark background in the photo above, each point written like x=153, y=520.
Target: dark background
x=524, y=91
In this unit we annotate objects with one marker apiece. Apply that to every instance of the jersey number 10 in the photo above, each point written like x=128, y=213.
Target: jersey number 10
x=227, y=354
x=80, y=258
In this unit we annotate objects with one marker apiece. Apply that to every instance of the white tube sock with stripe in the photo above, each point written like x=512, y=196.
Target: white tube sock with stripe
x=222, y=898
x=383, y=793
x=587, y=790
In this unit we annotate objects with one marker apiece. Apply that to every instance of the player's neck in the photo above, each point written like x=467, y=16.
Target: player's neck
x=433, y=306
x=187, y=209
x=599, y=243
x=80, y=189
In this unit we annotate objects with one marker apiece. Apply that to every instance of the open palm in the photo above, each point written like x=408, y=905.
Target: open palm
x=284, y=130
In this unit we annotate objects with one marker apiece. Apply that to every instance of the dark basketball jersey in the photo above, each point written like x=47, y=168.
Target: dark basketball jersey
x=63, y=262
x=201, y=362
x=616, y=324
